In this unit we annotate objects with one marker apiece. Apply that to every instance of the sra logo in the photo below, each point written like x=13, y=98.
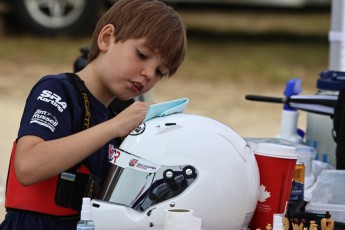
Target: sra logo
x=52, y=98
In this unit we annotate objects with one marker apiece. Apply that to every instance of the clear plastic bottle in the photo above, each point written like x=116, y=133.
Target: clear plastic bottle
x=319, y=127
x=86, y=222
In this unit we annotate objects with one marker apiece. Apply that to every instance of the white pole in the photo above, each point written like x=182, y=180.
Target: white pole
x=336, y=36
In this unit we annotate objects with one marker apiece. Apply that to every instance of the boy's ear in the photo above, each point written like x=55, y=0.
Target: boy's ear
x=106, y=36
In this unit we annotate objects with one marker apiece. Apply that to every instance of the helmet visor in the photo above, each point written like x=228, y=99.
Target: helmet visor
x=139, y=184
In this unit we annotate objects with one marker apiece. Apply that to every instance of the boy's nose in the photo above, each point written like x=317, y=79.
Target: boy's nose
x=148, y=73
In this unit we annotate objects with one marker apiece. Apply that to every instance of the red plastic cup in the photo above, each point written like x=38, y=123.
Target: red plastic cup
x=276, y=166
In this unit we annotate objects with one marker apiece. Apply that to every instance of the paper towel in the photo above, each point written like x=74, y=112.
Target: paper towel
x=166, y=108
x=180, y=219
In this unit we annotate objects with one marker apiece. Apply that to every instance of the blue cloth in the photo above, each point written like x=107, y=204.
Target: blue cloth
x=166, y=108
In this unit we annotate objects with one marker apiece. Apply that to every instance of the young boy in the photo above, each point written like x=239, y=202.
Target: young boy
x=67, y=130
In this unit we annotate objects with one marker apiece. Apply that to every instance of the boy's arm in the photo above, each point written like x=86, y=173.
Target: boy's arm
x=37, y=159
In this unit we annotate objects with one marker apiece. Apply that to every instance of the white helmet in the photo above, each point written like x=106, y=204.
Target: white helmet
x=179, y=161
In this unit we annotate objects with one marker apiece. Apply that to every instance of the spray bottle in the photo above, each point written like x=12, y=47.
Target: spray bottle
x=86, y=222
x=289, y=118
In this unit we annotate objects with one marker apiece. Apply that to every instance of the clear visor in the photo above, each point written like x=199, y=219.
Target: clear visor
x=140, y=184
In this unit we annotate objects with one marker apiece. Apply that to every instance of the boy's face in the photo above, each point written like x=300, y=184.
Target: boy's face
x=131, y=68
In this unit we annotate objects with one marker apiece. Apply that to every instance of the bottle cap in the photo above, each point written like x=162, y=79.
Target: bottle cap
x=331, y=80
x=86, y=209
x=293, y=87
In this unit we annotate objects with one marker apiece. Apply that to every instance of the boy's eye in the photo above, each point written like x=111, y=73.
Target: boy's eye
x=161, y=73
x=141, y=55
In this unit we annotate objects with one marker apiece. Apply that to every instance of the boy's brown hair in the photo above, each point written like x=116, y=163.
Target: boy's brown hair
x=150, y=19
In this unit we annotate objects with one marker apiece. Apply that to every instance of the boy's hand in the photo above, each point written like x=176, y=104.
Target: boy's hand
x=130, y=118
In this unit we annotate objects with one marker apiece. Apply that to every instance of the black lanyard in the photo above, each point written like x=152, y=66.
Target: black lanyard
x=83, y=98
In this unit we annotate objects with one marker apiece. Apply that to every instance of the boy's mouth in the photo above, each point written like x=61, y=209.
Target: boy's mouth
x=137, y=85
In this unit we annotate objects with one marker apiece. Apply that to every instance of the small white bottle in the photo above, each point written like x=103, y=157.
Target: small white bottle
x=85, y=222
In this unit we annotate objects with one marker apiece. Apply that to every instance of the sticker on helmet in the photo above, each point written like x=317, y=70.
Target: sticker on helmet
x=139, y=130
x=126, y=160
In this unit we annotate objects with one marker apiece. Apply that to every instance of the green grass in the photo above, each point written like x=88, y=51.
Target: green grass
x=29, y=48
x=260, y=61
x=268, y=46
x=233, y=45
x=260, y=20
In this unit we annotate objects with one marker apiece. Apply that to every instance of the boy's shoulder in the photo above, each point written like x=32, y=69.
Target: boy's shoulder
x=55, y=77
x=55, y=81
x=58, y=85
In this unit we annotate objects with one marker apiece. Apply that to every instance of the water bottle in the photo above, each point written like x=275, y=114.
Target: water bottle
x=319, y=127
x=85, y=222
